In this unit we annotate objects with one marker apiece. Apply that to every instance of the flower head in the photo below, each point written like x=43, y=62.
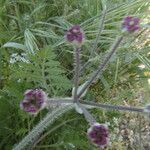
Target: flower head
x=75, y=35
x=34, y=100
x=131, y=24
x=98, y=134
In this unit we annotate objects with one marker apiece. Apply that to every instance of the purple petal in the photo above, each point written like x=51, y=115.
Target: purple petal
x=75, y=27
x=33, y=101
x=70, y=37
x=29, y=92
x=136, y=21
x=92, y=134
x=74, y=35
x=131, y=24
x=79, y=38
x=32, y=109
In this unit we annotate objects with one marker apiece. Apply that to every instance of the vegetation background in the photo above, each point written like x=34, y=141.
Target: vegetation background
x=33, y=31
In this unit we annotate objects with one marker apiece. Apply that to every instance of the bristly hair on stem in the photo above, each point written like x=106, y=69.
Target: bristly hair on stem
x=103, y=65
x=38, y=129
x=91, y=104
x=59, y=100
x=108, y=106
x=89, y=118
x=77, y=72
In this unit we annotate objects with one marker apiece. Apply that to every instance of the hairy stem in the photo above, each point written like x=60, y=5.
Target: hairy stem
x=77, y=70
x=90, y=119
x=108, y=106
x=53, y=129
x=102, y=66
x=59, y=100
x=36, y=131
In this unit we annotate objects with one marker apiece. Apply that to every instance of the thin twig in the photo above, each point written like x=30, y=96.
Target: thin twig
x=101, y=66
x=109, y=106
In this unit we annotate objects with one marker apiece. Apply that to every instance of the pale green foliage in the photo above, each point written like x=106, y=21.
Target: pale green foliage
x=144, y=60
x=30, y=41
x=43, y=71
x=15, y=45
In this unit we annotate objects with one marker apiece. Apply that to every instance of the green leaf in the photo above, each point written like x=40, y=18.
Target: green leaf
x=15, y=45
x=44, y=71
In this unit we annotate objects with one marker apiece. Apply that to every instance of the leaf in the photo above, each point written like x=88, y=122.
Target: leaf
x=30, y=42
x=44, y=71
x=78, y=109
x=80, y=89
x=144, y=60
x=105, y=82
x=15, y=45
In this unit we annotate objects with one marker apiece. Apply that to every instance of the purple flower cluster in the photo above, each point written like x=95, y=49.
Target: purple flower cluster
x=98, y=134
x=74, y=35
x=34, y=100
x=131, y=24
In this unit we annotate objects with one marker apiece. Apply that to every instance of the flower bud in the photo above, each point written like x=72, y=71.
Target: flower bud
x=75, y=35
x=98, y=134
x=34, y=101
x=130, y=24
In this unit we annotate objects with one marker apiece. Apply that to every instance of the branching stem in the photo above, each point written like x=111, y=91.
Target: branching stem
x=97, y=105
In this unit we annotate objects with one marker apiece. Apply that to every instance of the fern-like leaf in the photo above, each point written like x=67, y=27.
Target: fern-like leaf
x=44, y=71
